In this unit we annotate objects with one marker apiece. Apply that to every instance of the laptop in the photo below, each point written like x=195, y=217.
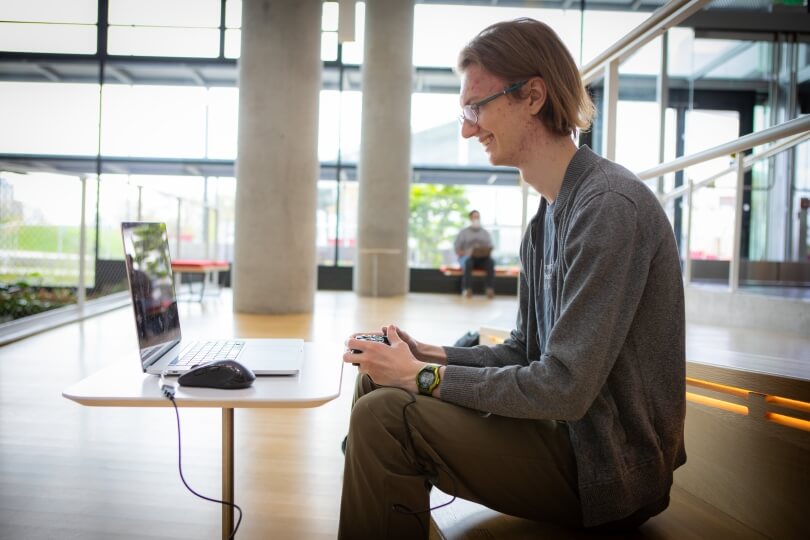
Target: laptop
x=481, y=252
x=162, y=349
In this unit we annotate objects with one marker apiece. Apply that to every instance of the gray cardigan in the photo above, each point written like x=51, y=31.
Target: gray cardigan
x=614, y=368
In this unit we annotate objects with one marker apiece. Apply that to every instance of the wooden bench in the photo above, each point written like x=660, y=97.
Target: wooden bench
x=500, y=271
x=208, y=269
x=686, y=518
x=747, y=438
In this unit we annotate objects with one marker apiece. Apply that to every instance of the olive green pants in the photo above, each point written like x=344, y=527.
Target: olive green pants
x=399, y=444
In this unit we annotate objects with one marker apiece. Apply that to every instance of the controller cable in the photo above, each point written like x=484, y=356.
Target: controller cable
x=430, y=472
x=168, y=390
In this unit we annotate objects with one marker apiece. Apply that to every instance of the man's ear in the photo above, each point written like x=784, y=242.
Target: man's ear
x=537, y=94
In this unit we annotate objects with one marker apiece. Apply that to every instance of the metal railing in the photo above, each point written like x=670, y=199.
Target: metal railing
x=606, y=65
x=793, y=132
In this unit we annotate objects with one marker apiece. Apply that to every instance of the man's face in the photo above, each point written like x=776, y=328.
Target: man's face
x=499, y=121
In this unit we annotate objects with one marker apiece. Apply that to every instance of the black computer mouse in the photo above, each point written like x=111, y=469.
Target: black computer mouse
x=227, y=374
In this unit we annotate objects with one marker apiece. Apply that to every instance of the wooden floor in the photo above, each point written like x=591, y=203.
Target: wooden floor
x=68, y=471
x=73, y=472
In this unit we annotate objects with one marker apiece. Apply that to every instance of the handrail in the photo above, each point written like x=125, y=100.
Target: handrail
x=785, y=129
x=748, y=163
x=665, y=17
x=795, y=131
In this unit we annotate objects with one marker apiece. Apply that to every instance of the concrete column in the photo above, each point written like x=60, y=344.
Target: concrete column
x=381, y=266
x=275, y=267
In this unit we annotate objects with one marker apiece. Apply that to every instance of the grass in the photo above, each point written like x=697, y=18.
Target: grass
x=57, y=239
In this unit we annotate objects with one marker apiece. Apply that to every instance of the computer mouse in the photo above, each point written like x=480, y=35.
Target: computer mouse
x=226, y=374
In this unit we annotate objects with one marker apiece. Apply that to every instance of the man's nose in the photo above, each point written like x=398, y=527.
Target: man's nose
x=468, y=129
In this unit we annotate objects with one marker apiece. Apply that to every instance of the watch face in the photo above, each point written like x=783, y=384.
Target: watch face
x=425, y=378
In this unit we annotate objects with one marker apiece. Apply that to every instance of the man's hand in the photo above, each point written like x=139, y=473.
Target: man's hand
x=420, y=351
x=387, y=365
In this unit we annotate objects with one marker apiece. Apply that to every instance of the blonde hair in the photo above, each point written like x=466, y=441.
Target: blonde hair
x=518, y=50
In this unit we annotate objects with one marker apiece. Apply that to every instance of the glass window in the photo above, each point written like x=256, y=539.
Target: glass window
x=326, y=224
x=152, y=41
x=329, y=46
x=180, y=13
x=339, y=125
x=347, y=223
x=437, y=43
x=187, y=28
x=70, y=27
x=233, y=13
x=154, y=121
x=36, y=120
x=439, y=211
x=165, y=198
x=118, y=201
x=223, y=122
x=601, y=29
x=435, y=132
x=47, y=38
x=500, y=209
x=713, y=207
x=225, y=202
x=50, y=11
x=637, y=131
x=39, y=239
x=233, y=43
x=329, y=21
x=353, y=50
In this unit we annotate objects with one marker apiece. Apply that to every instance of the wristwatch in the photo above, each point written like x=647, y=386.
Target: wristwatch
x=428, y=379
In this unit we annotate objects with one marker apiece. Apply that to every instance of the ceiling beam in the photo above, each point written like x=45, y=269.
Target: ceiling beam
x=49, y=73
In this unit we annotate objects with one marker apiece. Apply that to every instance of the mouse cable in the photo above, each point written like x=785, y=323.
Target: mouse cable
x=168, y=391
x=429, y=472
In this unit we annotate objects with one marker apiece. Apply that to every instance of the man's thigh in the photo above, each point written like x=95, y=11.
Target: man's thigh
x=520, y=467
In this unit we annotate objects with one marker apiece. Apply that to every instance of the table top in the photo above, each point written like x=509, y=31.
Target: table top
x=127, y=386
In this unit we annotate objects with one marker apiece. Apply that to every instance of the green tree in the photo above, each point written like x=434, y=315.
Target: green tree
x=438, y=212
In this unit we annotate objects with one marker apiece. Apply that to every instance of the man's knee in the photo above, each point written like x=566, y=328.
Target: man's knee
x=381, y=408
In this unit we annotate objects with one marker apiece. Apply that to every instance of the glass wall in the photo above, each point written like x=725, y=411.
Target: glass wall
x=165, y=149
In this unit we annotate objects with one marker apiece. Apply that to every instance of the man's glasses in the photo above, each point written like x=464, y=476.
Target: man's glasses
x=469, y=113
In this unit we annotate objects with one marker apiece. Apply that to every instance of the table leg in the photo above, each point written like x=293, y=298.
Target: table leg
x=202, y=288
x=374, y=273
x=227, y=472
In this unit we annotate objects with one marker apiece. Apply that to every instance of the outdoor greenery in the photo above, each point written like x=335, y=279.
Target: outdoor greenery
x=23, y=298
x=56, y=238
x=437, y=212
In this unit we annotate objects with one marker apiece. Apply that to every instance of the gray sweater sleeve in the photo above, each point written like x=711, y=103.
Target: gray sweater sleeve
x=603, y=285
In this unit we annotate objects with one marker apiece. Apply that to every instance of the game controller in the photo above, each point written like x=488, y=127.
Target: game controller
x=369, y=337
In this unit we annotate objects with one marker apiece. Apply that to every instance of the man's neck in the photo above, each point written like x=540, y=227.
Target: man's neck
x=544, y=168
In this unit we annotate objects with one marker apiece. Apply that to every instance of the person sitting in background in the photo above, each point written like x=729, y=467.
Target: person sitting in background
x=473, y=248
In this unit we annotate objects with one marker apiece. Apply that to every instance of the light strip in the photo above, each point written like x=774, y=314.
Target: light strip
x=794, y=404
x=788, y=421
x=717, y=403
x=725, y=389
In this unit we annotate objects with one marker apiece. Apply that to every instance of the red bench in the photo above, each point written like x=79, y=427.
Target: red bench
x=209, y=269
x=502, y=271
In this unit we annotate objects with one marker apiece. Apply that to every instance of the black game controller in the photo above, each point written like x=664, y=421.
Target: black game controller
x=369, y=337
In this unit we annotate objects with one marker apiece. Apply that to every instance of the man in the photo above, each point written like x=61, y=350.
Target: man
x=473, y=247
x=577, y=418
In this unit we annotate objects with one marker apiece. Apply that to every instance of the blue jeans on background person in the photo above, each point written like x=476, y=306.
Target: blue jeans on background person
x=468, y=264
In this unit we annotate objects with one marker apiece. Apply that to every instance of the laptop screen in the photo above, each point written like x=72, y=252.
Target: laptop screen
x=149, y=270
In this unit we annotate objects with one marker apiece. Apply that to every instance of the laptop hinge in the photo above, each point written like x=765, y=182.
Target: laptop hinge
x=151, y=355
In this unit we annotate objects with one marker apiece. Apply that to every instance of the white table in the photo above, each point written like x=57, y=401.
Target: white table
x=123, y=386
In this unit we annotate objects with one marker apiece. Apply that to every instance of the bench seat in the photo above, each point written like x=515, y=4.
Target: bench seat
x=687, y=517
x=500, y=271
x=208, y=269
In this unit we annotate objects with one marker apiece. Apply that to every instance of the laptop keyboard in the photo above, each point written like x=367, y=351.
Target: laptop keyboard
x=208, y=351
